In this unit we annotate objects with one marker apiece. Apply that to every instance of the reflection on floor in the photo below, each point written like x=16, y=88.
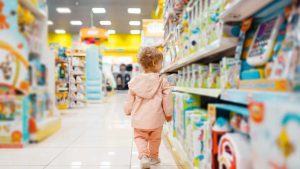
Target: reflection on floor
x=98, y=136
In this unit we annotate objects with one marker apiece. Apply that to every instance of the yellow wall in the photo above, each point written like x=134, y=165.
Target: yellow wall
x=122, y=45
x=64, y=40
x=116, y=45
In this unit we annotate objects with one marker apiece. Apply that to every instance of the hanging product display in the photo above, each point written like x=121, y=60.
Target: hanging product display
x=228, y=79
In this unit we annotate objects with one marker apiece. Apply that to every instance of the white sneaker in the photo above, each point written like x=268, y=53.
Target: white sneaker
x=154, y=161
x=145, y=162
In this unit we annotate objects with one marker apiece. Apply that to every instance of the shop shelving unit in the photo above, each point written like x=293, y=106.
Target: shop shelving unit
x=226, y=100
x=77, y=93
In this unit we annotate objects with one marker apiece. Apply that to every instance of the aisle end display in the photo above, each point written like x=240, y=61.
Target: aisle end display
x=27, y=108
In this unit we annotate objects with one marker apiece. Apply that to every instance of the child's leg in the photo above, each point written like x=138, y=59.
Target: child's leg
x=141, y=140
x=154, y=142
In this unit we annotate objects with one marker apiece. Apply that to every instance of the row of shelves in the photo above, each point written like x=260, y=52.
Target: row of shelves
x=218, y=46
x=241, y=96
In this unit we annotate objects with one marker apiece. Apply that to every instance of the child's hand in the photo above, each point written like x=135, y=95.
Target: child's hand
x=169, y=118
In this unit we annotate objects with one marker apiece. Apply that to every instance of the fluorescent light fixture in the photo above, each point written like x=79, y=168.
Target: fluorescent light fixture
x=50, y=22
x=98, y=10
x=111, y=31
x=134, y=23
x=105, y=22
x=63, y=10
x=60, y=31
x=134, y=10
x=135, y=31
x=75, y=22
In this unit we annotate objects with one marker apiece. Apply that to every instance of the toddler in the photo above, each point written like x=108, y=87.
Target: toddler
x=149, y=103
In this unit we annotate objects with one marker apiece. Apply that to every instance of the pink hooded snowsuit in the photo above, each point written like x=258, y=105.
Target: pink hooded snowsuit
x=149, y=103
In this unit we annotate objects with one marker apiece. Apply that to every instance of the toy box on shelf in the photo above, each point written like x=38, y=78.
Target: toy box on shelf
x=14, y=112
x=272, y=61
x=274, y=130
x=77, y=77
x=230, y=143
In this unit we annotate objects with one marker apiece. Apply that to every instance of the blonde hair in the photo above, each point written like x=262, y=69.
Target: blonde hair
x=149, y=57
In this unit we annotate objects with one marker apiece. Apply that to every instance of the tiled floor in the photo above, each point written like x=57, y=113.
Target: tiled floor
x=98, y=136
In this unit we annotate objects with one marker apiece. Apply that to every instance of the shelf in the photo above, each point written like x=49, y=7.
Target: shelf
x=232, y=108
x=78, y=66
x=204, y=92
x=177, y=150
x=216, y=47
x=245, y=96
x=37, y=12
x=242, y=9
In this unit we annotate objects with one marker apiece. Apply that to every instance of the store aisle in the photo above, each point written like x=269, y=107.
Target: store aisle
x=98, y=136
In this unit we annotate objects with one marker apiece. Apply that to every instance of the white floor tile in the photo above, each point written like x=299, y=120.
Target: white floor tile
x=96, y=137
x=94, y=156
x=28, y=156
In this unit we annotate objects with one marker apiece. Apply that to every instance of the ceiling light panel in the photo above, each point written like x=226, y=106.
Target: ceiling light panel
x=50, y=22
x=134, y=10
x=63, y=10
x=134, y=23
x=111, y=31
x=135, y=32
x=105, y=22
x=60, y=31
x=75, y=22
x=98, y=10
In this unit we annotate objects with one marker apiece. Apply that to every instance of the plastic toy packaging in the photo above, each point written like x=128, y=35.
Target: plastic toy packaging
x=230, y=70
x=203, y=76
x=213, y=80
x=274, y=129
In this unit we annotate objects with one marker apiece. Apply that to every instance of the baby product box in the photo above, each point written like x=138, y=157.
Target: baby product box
x=274, y=131
x=229, y=73
x=196, y=76
x=190, y=74
x=183, y=102
x=213, y=80
x=203, y=76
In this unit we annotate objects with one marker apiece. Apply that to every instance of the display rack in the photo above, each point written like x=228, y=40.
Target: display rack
x=250, y=104
x=29, y=82
x=62, y=78
x=77, y=91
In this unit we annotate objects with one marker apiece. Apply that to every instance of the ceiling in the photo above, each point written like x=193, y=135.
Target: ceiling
x=116, y=12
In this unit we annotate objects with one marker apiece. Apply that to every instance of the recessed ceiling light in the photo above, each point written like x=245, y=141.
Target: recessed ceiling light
x=75, y=22
x=105, y=22
x=135, y=31
x=134, y=23
x=111, y=31
x=60, y=31
x=63, y=10
x=98, y=10
x=49, y=22
x=134, y=10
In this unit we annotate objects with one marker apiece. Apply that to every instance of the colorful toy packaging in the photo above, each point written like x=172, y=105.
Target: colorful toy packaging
x=183, y=102
x=229, y=73
x=213, y=80
x=274, y=128
x=13, y=122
